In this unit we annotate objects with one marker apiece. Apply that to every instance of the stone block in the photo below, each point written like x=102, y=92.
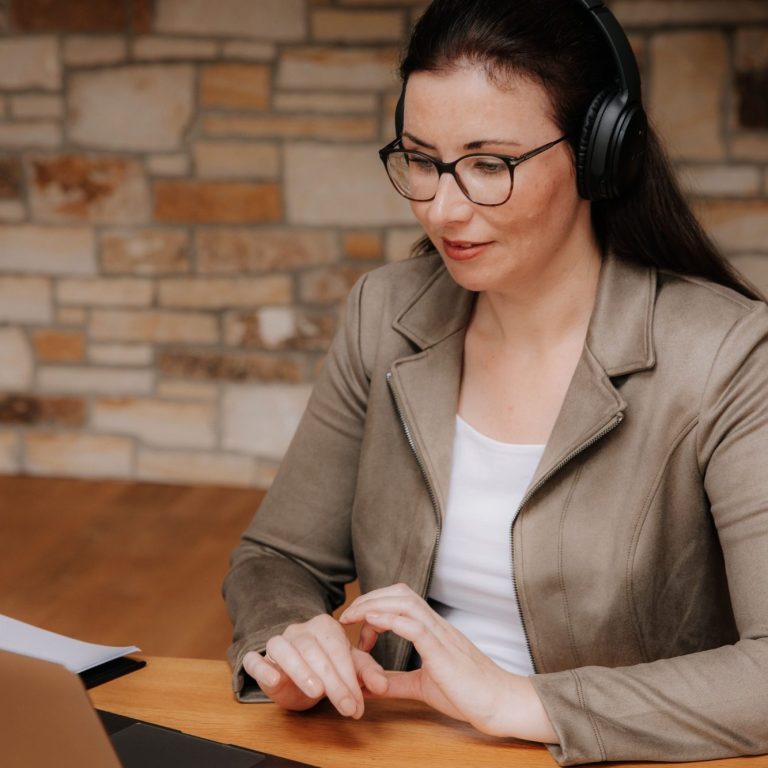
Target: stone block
x=34, y=410
x=102, y=190
x=340, y=185
x=195, y=467
x=30, y=63
x=120, y=354
x=688, y=72
x=237, y=159
x=280, y=328
x=72, y=16
x=216, y=201
x=16, y=361
x=221, y=292
x=78, y=455
x=330, y=285
x=105, y=292
x=25, y=300
x=173, y=49
x=325, y=102
x=755, y=268
x=751, y=49
x=231, y=366
x=400, y=241
x=750, y=145
x=180, y=389
x=30, y=134
x=9, y=452
x=33, y=106
x=56, y=345
x=736, y=225
x=153, y=326
x=12, y=211
x=261, y=419
x=653, y=13
x=292, y=127
x=352, y=69
x=235, y=250
x=235, y=86
x=249, y=51
x=145, y=252
x=157, y=422
x=169, y=165
x=362, y=244
x=752, y=99
x=104, y=105
x=77, y=379
x=334, y=25
x=49, y=250
x=721, y=180
x=270, y=20
x=71, y=316
x=87, y=51
x=10, y=178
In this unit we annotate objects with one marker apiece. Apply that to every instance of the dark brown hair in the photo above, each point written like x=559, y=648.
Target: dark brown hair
x=558, y=45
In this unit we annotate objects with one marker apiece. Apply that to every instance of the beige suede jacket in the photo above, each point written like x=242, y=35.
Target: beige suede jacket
x=641, y=547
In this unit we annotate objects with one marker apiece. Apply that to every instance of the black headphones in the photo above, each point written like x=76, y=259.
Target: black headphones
x=611, y=147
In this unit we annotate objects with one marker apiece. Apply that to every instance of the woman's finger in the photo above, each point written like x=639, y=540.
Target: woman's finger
x=266, y=675
x=286, y=656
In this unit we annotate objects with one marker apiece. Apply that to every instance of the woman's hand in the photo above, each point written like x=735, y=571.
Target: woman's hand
x=312, y=660
x=455, y=678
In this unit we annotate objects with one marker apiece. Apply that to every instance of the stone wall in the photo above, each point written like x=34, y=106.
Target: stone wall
x=188, y=188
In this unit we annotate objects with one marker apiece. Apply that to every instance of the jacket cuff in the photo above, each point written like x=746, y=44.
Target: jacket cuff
x=562, y=696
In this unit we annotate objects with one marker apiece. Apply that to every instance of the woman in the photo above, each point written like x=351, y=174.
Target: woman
x=569, y=395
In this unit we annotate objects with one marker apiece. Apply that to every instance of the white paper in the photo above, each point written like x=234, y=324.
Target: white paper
x=75, y=655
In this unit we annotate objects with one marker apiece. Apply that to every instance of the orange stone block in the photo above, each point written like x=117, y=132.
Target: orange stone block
x=241, y=86
x=71, y=16
x=363, y=245
x=216, y=201
x=54, y=346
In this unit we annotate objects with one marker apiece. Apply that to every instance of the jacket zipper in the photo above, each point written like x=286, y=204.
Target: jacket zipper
x=583, y=447
x=430, y=490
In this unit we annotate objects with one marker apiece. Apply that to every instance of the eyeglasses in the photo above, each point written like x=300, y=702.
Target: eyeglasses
x=484, y=179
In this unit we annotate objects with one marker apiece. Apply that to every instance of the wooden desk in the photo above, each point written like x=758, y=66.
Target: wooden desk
x=195, y=696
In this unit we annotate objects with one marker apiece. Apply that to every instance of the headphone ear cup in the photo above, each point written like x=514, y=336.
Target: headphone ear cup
x=584, y=151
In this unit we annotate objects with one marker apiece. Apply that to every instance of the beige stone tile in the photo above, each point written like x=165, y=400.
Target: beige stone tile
x=145, y=252
x=249, y=51
x=89, y=50
x=9, y=452
x=235, y=86
x=115, y=292
x=721, y=180
x=266, y=471
x=32, y=134
x=34, y=410
x=16, y=360
x=29, y=63
x=361, y=193
x=399, y=241
x=12, y=211
x=78, y=455
x=120, y=354
x=194, y=467
x=181, y=389
x=50, y=250
x=329, y=285
x=153, y=326
x=71, y=316
x=157, y=422
x=237, y=159
x=325, y=102
x=56, y=345
x=221, y=293
x=238, y=249
x=269, y=20
x=99, y=189
x=292, y=127
x=338, y=69
x=280, y=328
x=103, y=105
x=356, y=27
x=86, y=380
x=33, y=105
x=686, y=92
x=152, y=48
x=176, y=164
x=651, y=13
x=230, y=366
x=225, y=202
x=750, y=146
x=274, y=408
x=25, y=299
x=736, y=225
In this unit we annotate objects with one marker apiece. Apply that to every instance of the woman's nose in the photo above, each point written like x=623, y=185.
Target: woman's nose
x=450, y=203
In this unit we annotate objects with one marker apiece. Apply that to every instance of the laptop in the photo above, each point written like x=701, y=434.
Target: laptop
x=47, y=719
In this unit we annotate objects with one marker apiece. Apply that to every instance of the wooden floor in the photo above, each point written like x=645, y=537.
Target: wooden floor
x=121, y=562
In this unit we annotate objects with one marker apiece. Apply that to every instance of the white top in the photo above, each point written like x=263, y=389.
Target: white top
x=472, y=584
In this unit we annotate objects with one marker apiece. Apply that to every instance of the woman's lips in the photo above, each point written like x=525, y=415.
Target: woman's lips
x=462, y=250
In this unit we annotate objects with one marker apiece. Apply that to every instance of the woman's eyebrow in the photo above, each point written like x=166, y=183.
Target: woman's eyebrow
x=470, y=146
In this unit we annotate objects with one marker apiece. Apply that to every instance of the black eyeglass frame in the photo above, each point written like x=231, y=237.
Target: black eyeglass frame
x=511, y=162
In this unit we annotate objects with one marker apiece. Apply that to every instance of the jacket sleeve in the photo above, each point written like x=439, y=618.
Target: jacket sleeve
x=713, y=703
x=295, y=557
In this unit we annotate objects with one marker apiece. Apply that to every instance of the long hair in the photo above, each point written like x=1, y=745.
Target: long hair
x=556, y=44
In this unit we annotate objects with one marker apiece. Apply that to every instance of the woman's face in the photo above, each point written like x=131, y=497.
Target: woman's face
x=544, y=227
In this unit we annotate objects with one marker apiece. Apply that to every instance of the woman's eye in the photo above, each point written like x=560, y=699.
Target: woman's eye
x=416, y=162
x=487, y=165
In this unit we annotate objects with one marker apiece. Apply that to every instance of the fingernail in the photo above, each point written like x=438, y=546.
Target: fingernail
x=271, y=677
x=311, y=687
x=347, y=707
